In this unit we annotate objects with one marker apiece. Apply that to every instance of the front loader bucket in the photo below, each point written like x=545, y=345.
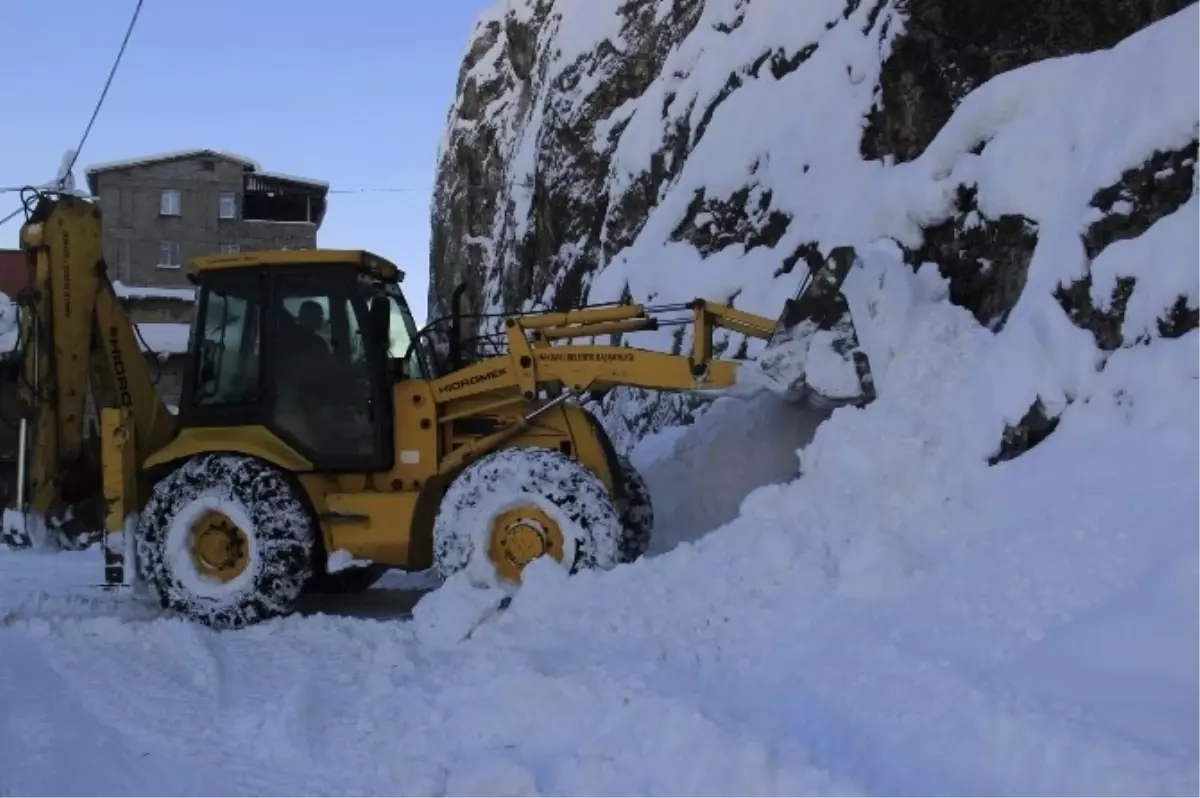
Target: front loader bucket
x=814, y=356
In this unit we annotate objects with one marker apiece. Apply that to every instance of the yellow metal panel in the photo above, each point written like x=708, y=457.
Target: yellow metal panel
x=598, y=367
x=118, y=466
x=66, y=249
x=415, y=437
x=119, y=480
x=599, y=328
x=588, y=449
x=351, y=483
x=125, y=378
x=373, y=525
x=485, y=376
x=34, y=385
x=318, y=486
x=750, y=324
x=299, y=257
x=254, y=441
x=588, y=316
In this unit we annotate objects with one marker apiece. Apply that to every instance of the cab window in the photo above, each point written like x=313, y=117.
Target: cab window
x=228, y=343
x=326, y=385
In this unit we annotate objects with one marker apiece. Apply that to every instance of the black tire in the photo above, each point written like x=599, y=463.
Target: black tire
x=575, y=496
x=636, y=511
x=269, y=510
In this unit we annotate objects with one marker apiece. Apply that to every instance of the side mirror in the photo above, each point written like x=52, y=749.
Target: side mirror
x=381, y=320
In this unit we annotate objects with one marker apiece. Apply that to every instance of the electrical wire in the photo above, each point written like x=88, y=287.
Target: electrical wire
x=104, y=93
x=91, y=121
x=12, y=215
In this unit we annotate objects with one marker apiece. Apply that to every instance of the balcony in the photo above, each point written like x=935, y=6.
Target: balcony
x=271, y=197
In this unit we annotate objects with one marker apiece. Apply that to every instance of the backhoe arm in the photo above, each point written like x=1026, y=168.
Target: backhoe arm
x=74, y=338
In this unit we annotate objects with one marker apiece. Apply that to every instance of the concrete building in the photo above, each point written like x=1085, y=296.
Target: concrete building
x=160, y=211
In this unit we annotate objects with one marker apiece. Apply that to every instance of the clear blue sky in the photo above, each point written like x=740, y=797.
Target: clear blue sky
x=352, y=92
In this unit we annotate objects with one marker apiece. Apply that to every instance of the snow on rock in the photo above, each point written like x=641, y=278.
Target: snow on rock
x=660, y=151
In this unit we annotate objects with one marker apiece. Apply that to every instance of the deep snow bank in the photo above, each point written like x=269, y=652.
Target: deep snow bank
x=906, y=617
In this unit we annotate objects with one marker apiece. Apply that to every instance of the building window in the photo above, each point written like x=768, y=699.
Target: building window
x=168, y=257
x=171, y=203
x=228, y=205
x=229, y=249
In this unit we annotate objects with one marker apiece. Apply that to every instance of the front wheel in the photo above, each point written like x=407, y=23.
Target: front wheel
x=227, y=541
x=517, y=505
x=636, y=509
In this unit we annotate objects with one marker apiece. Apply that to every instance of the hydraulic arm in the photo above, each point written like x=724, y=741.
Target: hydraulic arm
x=79, y=353
x=539, y=364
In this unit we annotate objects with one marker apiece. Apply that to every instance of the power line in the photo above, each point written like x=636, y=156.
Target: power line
x=104, y=93
x=95, y=112
x=11, y=216
x=402, y=190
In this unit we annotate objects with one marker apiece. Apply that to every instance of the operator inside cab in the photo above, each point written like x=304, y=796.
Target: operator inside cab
x=319, y=397
x=308, y=341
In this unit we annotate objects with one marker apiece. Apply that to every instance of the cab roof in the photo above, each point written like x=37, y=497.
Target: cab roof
x=300, y=257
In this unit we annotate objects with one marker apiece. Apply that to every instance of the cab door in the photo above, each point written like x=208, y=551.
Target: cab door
x=327, y=393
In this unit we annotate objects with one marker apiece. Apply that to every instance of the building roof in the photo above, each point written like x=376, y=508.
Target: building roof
x=177, y=155
x=153, y=292
x=248, y=164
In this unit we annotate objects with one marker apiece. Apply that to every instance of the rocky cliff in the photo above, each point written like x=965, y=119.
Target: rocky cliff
x=663, y=149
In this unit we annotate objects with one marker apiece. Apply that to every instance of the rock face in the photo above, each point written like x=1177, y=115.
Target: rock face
x=663, y=149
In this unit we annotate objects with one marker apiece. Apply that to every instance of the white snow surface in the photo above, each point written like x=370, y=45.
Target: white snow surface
x=863, y=607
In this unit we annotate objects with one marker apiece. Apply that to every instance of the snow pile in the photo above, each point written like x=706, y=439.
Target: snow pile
x=912, y=619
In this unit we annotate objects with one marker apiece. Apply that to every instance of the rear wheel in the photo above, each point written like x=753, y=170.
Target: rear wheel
x=516, y=505
x=226, y=540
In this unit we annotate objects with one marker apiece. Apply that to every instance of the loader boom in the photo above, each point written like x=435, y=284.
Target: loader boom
x=535, y=364
x=532, y=362
x=76, y=342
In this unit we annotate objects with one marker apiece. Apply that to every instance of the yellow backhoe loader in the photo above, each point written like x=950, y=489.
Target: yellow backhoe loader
x=321, y=439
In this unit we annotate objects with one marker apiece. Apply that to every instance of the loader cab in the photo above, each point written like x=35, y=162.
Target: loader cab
x=306, y=344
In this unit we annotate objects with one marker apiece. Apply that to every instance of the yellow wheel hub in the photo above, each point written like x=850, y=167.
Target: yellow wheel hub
x=220, y=549
x=520, y=536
